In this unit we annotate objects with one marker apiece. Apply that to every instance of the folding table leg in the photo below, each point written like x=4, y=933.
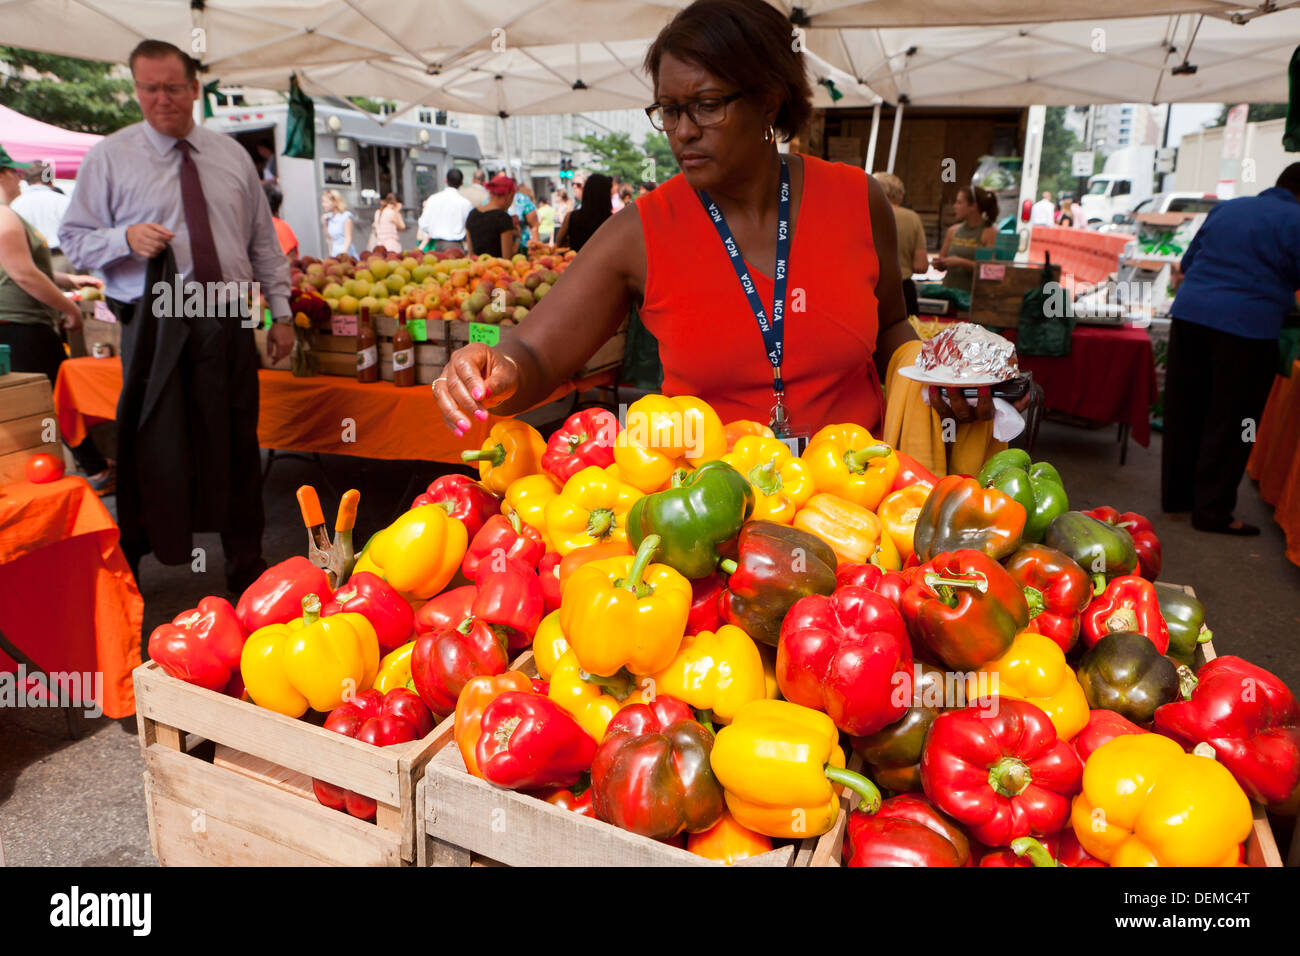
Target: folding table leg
x=69, y=712
x=1123, y=442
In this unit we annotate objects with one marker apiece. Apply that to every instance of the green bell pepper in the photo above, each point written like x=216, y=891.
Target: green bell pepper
x=1185, y=617
x=705, y=508
x=1036, y=486
x=1104, y=551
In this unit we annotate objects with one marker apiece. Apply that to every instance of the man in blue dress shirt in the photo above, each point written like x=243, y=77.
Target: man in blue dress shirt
x=1240, y=277
x=188, y=414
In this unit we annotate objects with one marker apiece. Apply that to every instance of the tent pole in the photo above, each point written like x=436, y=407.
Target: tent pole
x=893, y=139
x=875, y=134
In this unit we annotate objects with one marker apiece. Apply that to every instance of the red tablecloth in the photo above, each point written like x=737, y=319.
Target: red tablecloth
x=1275, y=459
x=1109, y=376
x=67, y=597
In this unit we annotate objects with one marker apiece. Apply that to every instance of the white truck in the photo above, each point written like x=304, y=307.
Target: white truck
x=1128, y=177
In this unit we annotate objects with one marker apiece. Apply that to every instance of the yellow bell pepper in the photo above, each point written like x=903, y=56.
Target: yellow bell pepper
x=528, y=498
x=1147, y=803
x=591, y=509
x=664, y=434
x=512, y=450
x=776, y=761
x=583, y=695
x=852, y=531
x=845, y=460
x=394, y=669
x=780, y=481
x=317, y=662
x=549, y=645
x=728, y=842
x=1034, y=669
x=718, y=672
x=898, y=512
x=626, y=612
x=419, y=553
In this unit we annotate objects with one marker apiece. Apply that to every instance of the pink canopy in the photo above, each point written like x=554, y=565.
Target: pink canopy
x=28, y=139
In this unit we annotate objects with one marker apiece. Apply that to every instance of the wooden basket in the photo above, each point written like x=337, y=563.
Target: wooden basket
x=26, y=417
x=248, y=801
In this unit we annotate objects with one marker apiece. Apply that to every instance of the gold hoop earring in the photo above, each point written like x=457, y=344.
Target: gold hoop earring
x=769, y=135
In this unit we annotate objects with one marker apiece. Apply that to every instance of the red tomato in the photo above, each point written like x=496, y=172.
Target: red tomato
x=44, y=467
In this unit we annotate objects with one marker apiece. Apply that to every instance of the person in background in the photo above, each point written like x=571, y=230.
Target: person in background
x=581, y=224
x=1076, y=213
x=563, y=206
x=338, y=223
x=1043, y=212
x=442, y=221
x=577, y=192
x=976, y=210
x=475, y=191
x=1237, y=282
x=283, y=231
x=267, y=152
x=911, y=238
x=616, y=195
x=545, y=222
x=491, y=228
x=1065, y=214
x=43, y=209
x=32, y=309
x=647, y=187
x=523, y=210
x=388, y=225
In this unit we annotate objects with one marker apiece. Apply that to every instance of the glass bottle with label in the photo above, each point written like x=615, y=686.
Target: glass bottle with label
x=367, y=349
x=403, y=354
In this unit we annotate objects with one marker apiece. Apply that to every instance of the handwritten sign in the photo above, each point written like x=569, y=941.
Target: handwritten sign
x=993, y=271
x=418, y=330
x=482, y=332
x=341, y=324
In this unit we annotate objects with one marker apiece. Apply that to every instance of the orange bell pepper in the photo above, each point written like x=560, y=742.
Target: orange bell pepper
x=473, y=700
x=845, y=460
x=512, y=450
x=781, y=482
x=898, y=512
x=591, y=509
x=854, y=533
x=727, y=841
x=737, y=430
x=664, y=434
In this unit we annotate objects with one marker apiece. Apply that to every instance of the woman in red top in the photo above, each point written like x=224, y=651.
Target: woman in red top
x=843, y=312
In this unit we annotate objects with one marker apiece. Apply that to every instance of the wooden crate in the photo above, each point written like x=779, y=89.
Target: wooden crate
x=248, y=800
x=996, y=302
x=337, y=354
x=26, y=413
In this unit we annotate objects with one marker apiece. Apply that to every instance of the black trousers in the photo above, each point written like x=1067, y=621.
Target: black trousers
x=38, y=348
x=910, y=297
x=1216, y=386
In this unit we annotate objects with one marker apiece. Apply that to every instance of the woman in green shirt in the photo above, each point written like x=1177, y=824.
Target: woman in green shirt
x=32, y=308
x=976, y=210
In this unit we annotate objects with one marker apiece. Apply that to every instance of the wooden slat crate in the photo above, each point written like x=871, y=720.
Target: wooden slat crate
x=249, y=803
x=996, y=302
x=1261, y=846
x=26, y=413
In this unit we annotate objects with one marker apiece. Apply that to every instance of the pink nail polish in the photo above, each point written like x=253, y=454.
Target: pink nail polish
x=464, y=426
x=481, y=415
x=478, y=394
x=487, y=393
x=457, y=432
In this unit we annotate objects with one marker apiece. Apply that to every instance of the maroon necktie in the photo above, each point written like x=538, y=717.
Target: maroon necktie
x=203, y=248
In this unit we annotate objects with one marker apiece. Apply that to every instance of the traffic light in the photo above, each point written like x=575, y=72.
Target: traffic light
x=566, y=169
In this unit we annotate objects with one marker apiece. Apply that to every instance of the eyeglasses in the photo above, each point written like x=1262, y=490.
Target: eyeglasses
x=703, y=111
x=171, y=89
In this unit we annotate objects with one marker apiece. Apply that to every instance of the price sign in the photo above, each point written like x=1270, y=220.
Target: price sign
x=103, y=313
x=341, y=324
x=482, y=332
x=1081, y=164
x=417, y=330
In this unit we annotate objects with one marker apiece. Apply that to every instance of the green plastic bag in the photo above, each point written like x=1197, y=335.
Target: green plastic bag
x=300, y=132
x=1046, y=320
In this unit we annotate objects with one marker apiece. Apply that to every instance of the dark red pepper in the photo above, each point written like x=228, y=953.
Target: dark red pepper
x=532, y=743
x=906, y=831
x=1129, y=603
x=379, y=603
x=503, y=541
x=443, y=662
x=566, y=799
x=511, y=598
x=888, y=584
x=705, y=611
x=1056, y=589
x=464, y=499
x=586, y=439
x=1056, y=849
x=276, y=596
x=1143, y=533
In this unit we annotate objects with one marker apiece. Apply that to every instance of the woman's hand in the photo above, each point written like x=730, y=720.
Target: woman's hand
x=71, y=316
x=475, y=379
x=940, y=263
x=81, y=281
x=951, y=404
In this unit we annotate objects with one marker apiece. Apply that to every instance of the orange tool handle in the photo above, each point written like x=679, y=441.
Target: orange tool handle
x=347, y=510
x=309, y=505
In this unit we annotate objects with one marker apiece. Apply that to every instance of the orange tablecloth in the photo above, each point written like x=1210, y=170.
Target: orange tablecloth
x=325, y=413
x=67, y=597
x=1275, y=460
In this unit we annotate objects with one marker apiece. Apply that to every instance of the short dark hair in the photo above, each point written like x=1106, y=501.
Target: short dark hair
x=160, y=49
x=728, y=38
x=273, y=196
x=1290, y=179
x=455, y=177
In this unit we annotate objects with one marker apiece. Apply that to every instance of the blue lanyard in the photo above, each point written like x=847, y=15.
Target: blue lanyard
x=774, y=330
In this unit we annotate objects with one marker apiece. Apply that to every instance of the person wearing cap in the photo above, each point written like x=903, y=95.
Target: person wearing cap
x=33, y=309
x=43, y=209
x=490, y=228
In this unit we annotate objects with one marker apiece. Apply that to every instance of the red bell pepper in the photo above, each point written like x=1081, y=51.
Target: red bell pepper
x=443, y=662
x=999, y=768
x=202, y=645
x=1056, y=589
x=276, y=596
x=964, y=608
x=464, y=499
x=1056, y=849
x=1103, y=726
x=891, y=585
x=565, y=798
x=1145, y=542
x=548, y=569
x=585, y=439
x=906, y=831
x=1129, y=603
x=1252, y=721
x=379, y=603
x=910, y=472
x=652, y=775
x=445, y=610
x=847, y=655
x=511, y=598
x=532, y=743
x=706, y=615
x=397, y=717
x=503, y=541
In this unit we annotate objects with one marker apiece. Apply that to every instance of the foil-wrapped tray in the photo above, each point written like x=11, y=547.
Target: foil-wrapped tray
x=966, y=352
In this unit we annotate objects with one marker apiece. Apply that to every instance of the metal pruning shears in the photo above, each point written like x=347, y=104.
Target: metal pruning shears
x=336, y=558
